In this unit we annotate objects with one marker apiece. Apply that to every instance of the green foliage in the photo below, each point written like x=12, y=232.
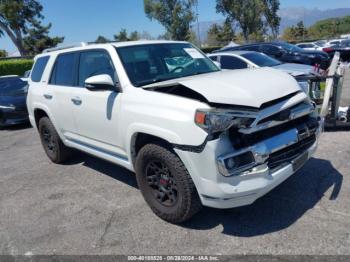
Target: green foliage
x=296, y=33
x=20, y=20
x=15, y=67
x=324, y=29
x=254, y=17
x=3, y=53
x=219, y=35
x=101, y=40
x=329, y=28
x=175, y=15
x=123, y=36
x=38, y=39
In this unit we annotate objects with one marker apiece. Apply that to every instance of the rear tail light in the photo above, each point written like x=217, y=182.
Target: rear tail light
x=327, y=49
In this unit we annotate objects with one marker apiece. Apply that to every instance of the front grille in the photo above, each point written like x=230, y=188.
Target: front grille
x=290, y=153
x=240, y=140
x=280, y=116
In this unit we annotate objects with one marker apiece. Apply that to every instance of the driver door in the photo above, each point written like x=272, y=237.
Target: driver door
x=97, y=113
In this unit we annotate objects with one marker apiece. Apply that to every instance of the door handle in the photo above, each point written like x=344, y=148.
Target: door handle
x=48, y=97
x=76, y=101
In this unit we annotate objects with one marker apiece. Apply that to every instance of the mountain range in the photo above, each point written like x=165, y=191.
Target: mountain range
x=290, y=16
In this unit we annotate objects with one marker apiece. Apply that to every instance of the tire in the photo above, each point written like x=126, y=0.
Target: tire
x=166, y=184
x=54, y=148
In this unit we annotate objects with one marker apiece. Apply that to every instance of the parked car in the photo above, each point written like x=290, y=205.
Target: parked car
x=309, y=46
x=287, y=53
x=13, y=109
x=333, y=42
x=251, y=59
x=194, y=135
x=343, y=49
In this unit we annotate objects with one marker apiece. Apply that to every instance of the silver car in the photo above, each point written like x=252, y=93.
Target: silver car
x=249, y=59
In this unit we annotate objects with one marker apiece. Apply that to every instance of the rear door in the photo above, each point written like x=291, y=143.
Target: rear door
x=61, y=89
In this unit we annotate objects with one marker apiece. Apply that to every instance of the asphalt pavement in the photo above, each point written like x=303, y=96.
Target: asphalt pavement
x=89, y=206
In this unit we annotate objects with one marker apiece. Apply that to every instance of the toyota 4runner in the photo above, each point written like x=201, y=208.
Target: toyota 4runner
x=193, y=134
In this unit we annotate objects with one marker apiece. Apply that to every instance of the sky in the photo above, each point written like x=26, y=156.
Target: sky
x=84, y=20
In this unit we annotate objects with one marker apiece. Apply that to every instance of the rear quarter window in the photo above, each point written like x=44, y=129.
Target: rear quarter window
x=39, y=68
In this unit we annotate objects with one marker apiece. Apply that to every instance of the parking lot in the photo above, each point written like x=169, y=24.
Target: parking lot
x=90, y=206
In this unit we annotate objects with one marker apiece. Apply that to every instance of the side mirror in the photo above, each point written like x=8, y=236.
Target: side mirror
x=217, y=64
x=100, y=82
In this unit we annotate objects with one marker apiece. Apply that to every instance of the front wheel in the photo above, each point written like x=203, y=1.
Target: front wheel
x=165, y=184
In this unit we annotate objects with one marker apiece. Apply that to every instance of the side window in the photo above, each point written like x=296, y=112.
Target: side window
x=270, y=49
x=39, y=68
x=64, y=70
x=252, y=48
x=94, y=63
x=230, y=62
x=214, y=58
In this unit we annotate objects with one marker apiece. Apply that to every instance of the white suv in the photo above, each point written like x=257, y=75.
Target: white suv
x=194, y=135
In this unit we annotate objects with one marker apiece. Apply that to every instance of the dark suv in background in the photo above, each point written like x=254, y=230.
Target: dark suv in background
x=287, y=53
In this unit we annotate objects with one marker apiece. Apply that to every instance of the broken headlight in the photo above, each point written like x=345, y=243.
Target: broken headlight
x=218, y=120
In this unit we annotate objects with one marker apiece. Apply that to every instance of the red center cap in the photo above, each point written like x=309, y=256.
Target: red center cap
x=163, y=182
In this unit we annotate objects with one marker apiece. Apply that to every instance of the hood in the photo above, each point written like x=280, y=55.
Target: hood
x=250, y=88
x=13, y=100
x=297, y=69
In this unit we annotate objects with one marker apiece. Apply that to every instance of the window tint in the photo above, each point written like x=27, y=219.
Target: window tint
x=39, y=68
x=230, y=62
x=214, y=58
x=94, y=63
x=64, y=70
x=151, y=63
x=252, y=48
x=270, y=49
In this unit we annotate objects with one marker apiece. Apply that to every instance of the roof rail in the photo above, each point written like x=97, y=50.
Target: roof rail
x=48, y=50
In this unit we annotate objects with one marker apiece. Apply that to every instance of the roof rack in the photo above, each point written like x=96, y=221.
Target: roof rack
x=48, y=50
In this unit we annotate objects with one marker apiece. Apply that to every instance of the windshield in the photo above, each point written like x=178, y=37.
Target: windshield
x=261, y=59
x=151, y=63
x=12, y=86
x=291, y=48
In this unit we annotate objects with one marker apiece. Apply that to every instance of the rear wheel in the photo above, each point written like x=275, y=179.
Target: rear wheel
x=165, y=184
x=53, y=145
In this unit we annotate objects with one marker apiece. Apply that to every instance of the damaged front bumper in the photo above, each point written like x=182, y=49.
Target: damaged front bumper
x=263, y=166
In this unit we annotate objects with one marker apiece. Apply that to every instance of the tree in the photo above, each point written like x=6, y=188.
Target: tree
x=329, y=28
x=289, y=34
x=122, y=36
x=219, y=35
x=134, y=36
x=271, y=8
x=175, y=15
x=295, y=33
x=101, y=40
x=20, y=20
x=253, y=16
x=3, y=53
x=38, y=39
x=146, y=36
